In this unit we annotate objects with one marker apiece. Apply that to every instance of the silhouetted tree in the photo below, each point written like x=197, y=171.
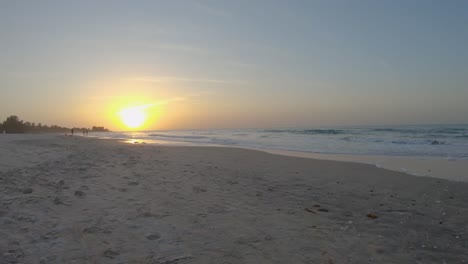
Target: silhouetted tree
x=13, y=125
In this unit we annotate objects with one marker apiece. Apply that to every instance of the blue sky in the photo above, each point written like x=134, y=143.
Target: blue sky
x=220, y=64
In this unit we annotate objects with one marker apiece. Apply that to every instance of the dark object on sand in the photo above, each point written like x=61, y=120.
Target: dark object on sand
x=111, y=254
x=372, y=216
x=27, y=190
x=310, y=210
x=153, y=236
x=57, y=201
x=322, y=210
x=79, y=193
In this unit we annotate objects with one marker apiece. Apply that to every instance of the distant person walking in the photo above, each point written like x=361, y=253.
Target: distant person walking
x=72, y=131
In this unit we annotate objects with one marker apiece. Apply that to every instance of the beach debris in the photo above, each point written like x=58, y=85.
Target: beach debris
x=27, y=191
x=147, y=214
x=153, y=236
x=49, y=259
x=12, y=256
x=372, y=216
x=79, y=193
x=97, y=229
x=323, y=210
x=111, y=254
x=57, y=201
x=310, y=210
x=198, y=189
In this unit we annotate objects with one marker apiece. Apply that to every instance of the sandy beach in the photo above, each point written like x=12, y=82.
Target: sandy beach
x=84, y=200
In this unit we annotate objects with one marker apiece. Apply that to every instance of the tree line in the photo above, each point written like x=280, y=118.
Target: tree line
x=14, y=125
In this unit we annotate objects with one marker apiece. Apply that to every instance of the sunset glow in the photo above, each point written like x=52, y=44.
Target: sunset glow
x=134, y=117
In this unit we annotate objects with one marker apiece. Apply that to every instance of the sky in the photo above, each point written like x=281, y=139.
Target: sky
x=235, y=64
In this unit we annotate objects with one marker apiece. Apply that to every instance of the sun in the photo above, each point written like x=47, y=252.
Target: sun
x=134, y=117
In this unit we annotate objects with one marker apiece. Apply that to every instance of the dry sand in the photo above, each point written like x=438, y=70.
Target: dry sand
x=79, y=200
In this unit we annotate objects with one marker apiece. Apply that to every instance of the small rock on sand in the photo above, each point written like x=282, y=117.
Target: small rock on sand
x=109, y=253
x=79, y=193
x=57, y=201
x=153, y=236
x=372, y=216
x=27, y=191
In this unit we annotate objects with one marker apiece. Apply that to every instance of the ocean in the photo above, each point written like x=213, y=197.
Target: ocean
x=448, y=141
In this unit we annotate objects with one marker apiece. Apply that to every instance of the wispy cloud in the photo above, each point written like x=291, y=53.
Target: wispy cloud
x=161, y=102
x=181, y=48
x=182, y=79
x=211, y=10
x=156, y=103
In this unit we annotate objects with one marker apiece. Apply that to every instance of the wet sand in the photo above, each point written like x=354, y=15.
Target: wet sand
x=448, y=168
x=81, y=200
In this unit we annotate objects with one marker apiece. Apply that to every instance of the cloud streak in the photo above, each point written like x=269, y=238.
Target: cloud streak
x=182, y=79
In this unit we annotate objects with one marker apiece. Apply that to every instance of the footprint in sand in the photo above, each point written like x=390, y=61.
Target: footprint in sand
x=133, y=183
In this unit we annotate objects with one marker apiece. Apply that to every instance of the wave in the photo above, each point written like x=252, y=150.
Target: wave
x=426, y=142
x=396, y=130
x=436, y=142
x=240, y=134
x=450, y=130
x=174, y=136
x=310, y=131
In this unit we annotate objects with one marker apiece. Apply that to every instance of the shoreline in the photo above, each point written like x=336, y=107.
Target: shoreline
x=438, y=167
x=453, y=169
